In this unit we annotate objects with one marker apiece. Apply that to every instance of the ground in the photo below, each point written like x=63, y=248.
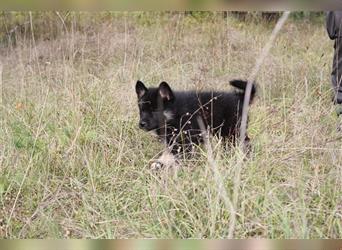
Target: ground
x=74, y=163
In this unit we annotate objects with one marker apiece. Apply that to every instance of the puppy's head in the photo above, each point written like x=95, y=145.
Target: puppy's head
x=155, y=105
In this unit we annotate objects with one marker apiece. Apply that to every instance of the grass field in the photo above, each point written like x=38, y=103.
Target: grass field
x=75, y=165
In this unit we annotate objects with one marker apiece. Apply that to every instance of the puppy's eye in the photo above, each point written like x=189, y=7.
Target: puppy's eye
x=142, y=103
x=146, y=108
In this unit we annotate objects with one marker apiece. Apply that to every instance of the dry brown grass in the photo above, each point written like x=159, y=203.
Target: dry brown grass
x=73, y=156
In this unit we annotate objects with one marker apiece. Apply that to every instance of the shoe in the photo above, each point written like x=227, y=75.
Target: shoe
x=338, y=97
x=339, y=110
x=339, y=117
x=339, y=124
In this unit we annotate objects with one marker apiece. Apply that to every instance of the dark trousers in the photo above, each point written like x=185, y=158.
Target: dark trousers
x=337, y=65
x=334, y=28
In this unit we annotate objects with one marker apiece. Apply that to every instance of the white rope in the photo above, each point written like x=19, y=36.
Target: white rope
x=254, y=73
x=243, y=128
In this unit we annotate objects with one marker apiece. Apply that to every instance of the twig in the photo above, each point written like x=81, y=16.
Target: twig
x=253, y=75
x=34, y=44
x=218, y=179
x=243, y=127
x=1, y=87
x=62, y=20
x=29, y=165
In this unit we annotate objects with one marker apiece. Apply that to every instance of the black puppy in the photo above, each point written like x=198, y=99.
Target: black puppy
x=175, y=115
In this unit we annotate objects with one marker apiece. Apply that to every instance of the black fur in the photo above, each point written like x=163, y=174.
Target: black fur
x=173, y=115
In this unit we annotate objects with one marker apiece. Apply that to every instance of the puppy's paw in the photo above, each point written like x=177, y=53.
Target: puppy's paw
x=157, y=166
x=165, y=161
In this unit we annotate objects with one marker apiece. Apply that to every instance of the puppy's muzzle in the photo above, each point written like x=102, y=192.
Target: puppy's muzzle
x=142, y=125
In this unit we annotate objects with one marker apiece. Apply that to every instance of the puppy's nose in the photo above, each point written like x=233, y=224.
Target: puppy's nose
x=142, y=124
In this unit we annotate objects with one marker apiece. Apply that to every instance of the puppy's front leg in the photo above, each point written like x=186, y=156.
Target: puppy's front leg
x=166, y=160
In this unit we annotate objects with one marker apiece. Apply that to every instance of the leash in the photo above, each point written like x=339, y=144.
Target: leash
x=237, y=178
x=265, y=51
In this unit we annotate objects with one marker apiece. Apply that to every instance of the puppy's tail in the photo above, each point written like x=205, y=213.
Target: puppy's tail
x=241, y=84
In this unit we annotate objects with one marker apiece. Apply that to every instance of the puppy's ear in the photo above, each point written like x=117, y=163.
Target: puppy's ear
x=140, y=89
x=165, y=92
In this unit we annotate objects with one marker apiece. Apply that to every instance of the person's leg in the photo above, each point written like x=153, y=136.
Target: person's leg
x=336, y=74
x=336, y=79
